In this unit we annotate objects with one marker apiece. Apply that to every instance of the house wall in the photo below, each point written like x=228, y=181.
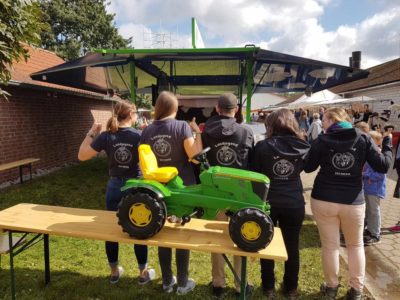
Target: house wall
x=45, y=125
x=391, y=92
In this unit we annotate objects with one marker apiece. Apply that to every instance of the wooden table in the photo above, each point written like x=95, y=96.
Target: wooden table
x=198, y=235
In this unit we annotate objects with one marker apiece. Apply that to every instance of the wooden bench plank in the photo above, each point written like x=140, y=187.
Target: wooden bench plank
x=18, y=163
x=198, y=235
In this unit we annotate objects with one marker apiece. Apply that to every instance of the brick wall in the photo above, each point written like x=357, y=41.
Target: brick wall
x=46, y=125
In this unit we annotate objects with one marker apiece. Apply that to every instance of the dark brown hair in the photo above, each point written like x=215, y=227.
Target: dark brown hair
x=120, y=113
x=166, y=104
x=282, y=122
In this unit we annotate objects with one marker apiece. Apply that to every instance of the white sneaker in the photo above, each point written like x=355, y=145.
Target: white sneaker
x=150, y=275
x=115, y=278
x=170, y=287
x=183, y=290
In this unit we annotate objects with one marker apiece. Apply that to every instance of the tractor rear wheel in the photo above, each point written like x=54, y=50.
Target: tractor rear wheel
x=141, y=215
x=251, y=229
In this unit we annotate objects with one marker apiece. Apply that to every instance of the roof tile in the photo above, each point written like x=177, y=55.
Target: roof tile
x=381, y=74
x=41, y=59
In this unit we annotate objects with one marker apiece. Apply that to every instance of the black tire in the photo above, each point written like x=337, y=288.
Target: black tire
x=141, y=215
x=251, y=240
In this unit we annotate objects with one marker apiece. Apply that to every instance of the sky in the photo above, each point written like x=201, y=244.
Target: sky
x=327, y=30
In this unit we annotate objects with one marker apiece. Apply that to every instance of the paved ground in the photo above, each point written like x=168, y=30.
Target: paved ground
x=383, y=260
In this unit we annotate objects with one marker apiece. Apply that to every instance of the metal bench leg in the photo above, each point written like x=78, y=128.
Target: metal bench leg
x=21, y=180
x=237, y=278
x=243, y=281
x=10, y=244
x=30, y=170
x=46, y=259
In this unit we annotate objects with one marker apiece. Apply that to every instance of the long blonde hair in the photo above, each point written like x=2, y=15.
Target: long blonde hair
x=337, y=114
x=120, y=113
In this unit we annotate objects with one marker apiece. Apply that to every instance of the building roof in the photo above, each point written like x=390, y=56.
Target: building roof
x=41, y=59
x=387, y=72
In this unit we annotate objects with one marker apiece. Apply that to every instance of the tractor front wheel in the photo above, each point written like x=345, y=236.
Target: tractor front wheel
x=251, y=229
x=141, y=215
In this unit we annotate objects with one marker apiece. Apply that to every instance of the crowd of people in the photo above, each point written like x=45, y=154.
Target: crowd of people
x=346, y=194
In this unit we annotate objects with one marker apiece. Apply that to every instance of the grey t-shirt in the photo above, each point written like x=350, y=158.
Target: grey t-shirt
x=166, y=139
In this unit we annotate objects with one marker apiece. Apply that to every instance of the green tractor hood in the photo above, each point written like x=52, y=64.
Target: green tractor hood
x=239, y=174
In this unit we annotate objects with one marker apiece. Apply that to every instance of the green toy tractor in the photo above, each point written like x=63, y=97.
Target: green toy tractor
x=161, y=195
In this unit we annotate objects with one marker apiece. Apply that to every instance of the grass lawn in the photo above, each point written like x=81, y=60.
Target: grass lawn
x=79, y=268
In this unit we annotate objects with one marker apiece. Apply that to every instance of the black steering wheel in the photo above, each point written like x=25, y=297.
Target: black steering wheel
x=201, y=157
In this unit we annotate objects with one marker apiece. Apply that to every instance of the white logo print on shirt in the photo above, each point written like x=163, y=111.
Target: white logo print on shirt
x=122, y=155
x=343, y=161
x=162, y=148
x=226, y=156
x=283, y=168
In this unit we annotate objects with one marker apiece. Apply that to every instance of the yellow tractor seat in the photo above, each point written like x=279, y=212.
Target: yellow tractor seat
x=149, y=166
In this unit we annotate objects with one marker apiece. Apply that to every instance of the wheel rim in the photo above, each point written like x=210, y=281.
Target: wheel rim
x=250, y=230
x=140, y=215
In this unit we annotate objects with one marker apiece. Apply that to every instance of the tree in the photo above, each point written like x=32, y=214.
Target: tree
x=77, y=26
x=20, y=25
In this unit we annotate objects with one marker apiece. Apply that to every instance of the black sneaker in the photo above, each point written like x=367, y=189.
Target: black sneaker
x=218, y=292
x=353, y=294
x=329, y=292
x=290, y=294
x=270, y=293
x=371, y=240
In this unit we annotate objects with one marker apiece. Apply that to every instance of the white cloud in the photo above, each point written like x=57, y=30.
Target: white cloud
x=377, y=37
x=288, y=26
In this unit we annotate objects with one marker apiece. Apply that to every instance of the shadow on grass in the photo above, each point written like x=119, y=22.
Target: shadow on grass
x=72, y=285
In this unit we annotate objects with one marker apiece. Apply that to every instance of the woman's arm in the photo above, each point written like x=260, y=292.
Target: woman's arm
x=312, y=160
x=193, y=146
x=379, y=161
x=85, y=150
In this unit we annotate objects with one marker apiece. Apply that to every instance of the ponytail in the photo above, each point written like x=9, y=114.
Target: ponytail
x=112, y=124
x=120, y=112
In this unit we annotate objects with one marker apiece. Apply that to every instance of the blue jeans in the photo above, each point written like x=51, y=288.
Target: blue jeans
x=113, y=197
x=373, y=214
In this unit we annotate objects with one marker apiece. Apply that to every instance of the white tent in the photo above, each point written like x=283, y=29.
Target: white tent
x=261, y=100
x=345, y=101
x=321, y=96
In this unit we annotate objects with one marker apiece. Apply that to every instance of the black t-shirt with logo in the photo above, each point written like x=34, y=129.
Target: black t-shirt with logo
x=231, y=143
x=122, y=151
x=166, y=138
x=341, y=155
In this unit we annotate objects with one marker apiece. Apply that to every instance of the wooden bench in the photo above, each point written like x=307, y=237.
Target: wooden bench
x=23, y=163
x=198, y=235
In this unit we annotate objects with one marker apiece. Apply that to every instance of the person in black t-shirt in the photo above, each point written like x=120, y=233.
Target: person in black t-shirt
x=173, y=143
x=120, y=142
